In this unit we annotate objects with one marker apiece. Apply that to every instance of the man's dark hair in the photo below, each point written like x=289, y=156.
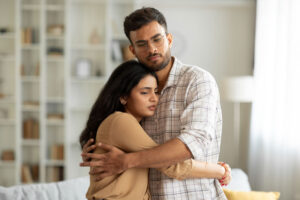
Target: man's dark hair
x=142, y=17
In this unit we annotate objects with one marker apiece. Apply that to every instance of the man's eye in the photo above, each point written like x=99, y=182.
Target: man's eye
x=142, y=44
x=144, y=93
x=157, y=40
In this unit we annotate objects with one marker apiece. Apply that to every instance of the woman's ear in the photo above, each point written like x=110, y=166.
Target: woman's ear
x=123, y=100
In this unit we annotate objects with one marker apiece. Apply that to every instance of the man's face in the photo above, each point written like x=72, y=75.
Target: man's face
x=151, y=45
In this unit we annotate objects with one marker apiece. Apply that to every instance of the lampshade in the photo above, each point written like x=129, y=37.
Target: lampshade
x=237, y=89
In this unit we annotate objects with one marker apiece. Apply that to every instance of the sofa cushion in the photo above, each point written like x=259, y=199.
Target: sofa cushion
x=253, y=195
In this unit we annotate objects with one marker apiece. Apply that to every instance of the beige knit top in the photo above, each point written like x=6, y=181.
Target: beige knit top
x=124, y=131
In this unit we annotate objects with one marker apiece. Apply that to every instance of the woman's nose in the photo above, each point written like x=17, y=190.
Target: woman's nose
x=154, y=97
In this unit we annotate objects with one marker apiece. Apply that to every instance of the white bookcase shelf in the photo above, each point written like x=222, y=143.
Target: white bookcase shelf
x=39, y=78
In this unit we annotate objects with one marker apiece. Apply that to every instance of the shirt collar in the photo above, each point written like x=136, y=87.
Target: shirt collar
x=174, y=74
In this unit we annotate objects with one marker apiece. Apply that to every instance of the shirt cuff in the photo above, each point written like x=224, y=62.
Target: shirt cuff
x=192, y=143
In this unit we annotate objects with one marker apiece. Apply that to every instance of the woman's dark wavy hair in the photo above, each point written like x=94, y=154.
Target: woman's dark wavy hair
x=142, y=17
x=123, y=79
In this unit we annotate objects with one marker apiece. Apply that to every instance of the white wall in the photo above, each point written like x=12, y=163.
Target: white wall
x=220, y=38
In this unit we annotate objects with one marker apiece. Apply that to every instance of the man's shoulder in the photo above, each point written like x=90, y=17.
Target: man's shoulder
x=194, y=73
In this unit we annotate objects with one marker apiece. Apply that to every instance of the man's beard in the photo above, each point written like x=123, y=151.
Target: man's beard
x=166, y=60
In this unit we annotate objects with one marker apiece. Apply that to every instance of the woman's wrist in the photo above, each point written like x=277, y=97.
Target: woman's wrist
x=223, y=165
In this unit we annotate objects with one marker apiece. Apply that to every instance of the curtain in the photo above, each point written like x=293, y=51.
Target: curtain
x=274, y=154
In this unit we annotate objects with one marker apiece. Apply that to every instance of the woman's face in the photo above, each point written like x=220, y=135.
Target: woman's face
x=143, y=98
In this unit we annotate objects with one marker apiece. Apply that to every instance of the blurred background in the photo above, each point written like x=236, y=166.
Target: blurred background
x=55, y=55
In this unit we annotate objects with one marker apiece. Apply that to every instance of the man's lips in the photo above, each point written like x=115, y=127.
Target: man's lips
x=154, y=57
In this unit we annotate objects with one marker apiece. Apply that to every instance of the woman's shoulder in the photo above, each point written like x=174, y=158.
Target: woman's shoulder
x=121, y=117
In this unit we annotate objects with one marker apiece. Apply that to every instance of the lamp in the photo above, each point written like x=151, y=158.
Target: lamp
x=238, y=90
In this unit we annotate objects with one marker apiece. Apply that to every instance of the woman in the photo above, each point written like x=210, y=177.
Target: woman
x=129, y=95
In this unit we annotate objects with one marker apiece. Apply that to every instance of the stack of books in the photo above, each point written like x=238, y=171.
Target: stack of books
x=30, y=129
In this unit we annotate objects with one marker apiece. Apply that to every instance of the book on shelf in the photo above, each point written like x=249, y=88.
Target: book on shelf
x=8, y=155
x=30, y=129
x=55, y=116
x=31, y=103
x=26, y=174
x=54, y=174
x=30, y=173
x=57, y=152
x=35, y=172
x=27, y=35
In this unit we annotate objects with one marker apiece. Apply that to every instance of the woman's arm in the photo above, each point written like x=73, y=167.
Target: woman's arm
x=128, y=135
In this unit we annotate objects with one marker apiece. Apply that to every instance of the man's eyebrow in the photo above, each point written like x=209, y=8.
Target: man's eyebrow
x=156, y=35
x=153, y=37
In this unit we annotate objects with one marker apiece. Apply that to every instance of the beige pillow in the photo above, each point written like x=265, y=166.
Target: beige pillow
x=253, y=195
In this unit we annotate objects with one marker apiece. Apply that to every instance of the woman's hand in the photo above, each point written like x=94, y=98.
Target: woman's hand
x=88, y=147
x=225, y=180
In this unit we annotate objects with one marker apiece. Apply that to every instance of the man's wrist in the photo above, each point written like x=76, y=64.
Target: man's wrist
x=129, y=161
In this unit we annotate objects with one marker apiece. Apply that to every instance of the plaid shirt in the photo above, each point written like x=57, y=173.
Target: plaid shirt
x=189, y=109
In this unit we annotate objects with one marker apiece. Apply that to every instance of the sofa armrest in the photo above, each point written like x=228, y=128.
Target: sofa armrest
x=239, y=181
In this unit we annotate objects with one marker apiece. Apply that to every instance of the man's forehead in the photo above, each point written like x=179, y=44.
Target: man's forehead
x=147, y=31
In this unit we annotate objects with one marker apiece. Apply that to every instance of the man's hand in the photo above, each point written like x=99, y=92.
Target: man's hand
x=88, y=147
x=107, y=164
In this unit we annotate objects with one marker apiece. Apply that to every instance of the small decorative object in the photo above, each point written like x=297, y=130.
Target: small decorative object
x=98, y=72
x=8, y=155
x=57, y=29
x=3, y=30
x=55, y=51
x=83, y=68
x=127, y=55
x=94, y=37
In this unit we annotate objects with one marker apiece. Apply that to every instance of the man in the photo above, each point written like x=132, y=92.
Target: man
x=187, y=122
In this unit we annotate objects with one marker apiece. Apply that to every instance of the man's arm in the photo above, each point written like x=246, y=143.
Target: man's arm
x=198, y=121
x=115, y=161
x=164, y=155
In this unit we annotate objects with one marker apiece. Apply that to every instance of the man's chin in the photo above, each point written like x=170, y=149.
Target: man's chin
x=156, y=66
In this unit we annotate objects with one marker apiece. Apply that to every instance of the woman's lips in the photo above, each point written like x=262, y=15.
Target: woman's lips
x=152, y=108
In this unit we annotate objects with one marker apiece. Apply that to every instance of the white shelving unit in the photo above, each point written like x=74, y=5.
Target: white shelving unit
x=41, y=48
x=9, y=119
x=50, y=38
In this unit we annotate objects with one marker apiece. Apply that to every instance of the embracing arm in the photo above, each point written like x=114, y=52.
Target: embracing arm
x=129, y=136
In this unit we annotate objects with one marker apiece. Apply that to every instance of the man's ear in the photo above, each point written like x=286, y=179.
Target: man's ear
x=123, y=100
x=170, y=39
x=131, y=48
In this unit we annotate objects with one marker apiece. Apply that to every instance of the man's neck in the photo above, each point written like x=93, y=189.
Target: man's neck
x=164, y=74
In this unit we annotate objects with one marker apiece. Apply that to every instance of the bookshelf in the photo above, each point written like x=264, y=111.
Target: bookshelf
x=61, y=53
x=55, y=56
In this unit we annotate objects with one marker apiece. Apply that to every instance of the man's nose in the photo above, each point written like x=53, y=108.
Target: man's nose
x=151, y=47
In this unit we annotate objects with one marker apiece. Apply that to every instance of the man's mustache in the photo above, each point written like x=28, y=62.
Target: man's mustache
x=154, y=54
